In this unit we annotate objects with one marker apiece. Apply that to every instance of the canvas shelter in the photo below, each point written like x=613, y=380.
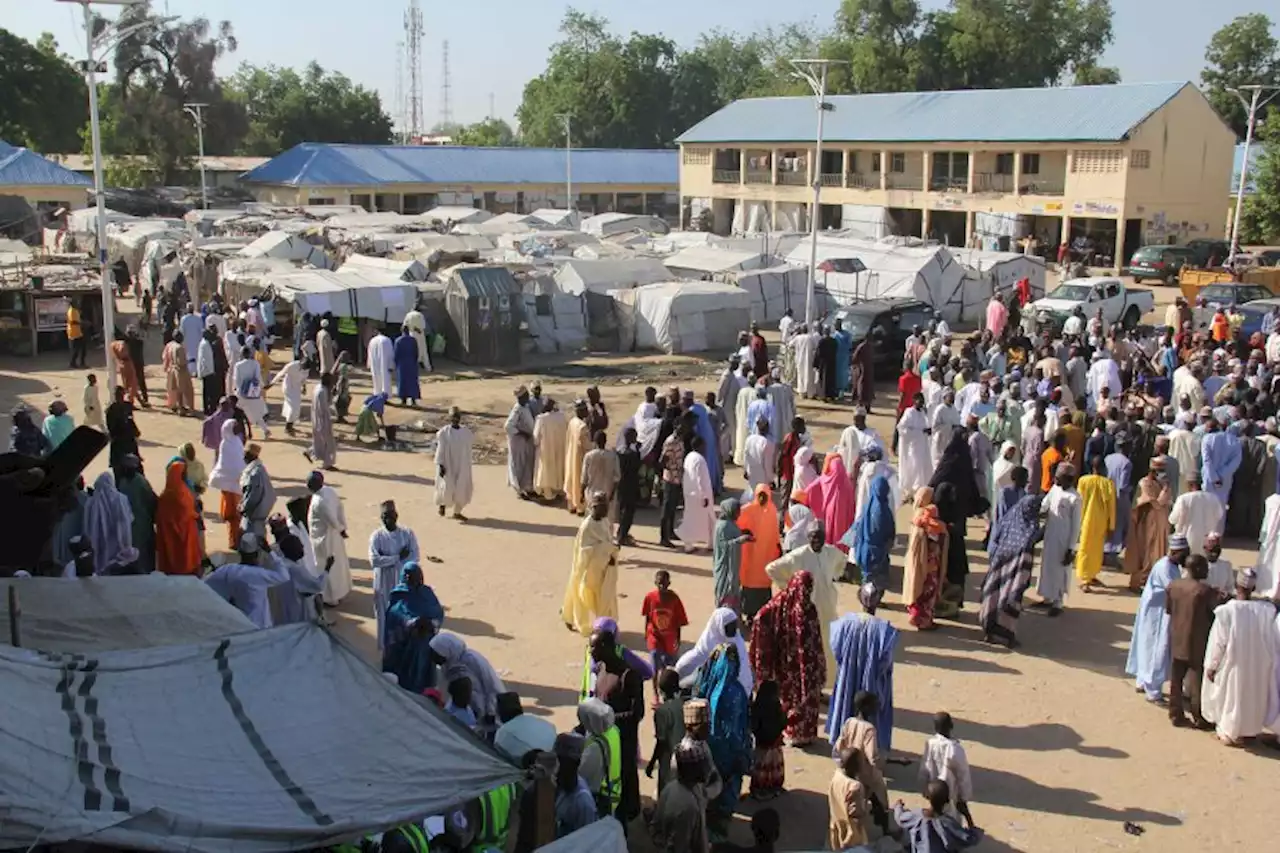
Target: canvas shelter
x=442, y=250
x=406, y=270
x=457, y=214
x=485, y=306
x=128, y=241
x=576, y=276
x=682, y=316
x=381, y=297
x=706, y=261
x=775, y=289
x=604, y=224
x=254, y=742
x=1000, y=271
x=555, y=218
x=288, y=247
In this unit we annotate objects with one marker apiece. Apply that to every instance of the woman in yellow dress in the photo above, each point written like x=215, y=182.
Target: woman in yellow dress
x=1098, y=511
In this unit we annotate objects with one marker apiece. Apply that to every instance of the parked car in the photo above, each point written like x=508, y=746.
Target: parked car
x=1119, y=302
x=1161, y=262
x=1203, y=251
x=1269, y=258
x=893, y=318
x=1233, y=296
x=1253, y=312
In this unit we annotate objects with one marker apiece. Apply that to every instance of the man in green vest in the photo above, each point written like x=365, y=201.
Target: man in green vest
x=601, y=766
x=492, y=817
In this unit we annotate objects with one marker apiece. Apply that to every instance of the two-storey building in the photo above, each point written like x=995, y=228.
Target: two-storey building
x=1123, y=165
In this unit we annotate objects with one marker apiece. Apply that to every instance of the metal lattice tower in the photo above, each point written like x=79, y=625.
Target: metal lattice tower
x=413, y=32
x=397, y=102
x=446, y=109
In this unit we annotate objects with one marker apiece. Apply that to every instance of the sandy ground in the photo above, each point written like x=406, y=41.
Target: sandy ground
x=1063, y=751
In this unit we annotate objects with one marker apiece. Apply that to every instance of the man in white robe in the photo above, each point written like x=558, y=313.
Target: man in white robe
x=759, y=457
x=731, y=382
x=192, y=327
x=1268, y=569
x=551, y=438
x=1186, y=383
x=1184, y=446
x=697, y=526
x=943, y=423
x=1241, y=695
x=326, y=349
x=291, y=379
x=381, y=363
x=805, y=347
x=1062, y=510
x=913, y=447
x=246, y=383
x=826, y=564
x=857, y=439
x=1196, y=514
x=327, y=525
x=1104, y=372
x=453, y=465
x=745, y=397
x=416, y=323
x=390, y=547
x=932, y=388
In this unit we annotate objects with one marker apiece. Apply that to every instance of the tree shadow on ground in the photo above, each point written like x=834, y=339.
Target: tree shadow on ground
x=473, y=627
x=1000, y=787
x=674, y=568
x=514, y=526
x=953, y=663
x=1037, y=737
x=545, y=699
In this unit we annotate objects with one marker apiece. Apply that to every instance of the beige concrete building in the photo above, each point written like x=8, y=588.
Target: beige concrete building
x=39, y=181
x=1122, y=165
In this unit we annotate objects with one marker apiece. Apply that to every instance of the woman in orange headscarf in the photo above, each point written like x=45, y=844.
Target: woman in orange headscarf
x=926, y=563
x=760, y=518
x=177, y=536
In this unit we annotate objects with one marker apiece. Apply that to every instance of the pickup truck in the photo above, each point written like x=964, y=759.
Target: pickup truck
x=1119, y=302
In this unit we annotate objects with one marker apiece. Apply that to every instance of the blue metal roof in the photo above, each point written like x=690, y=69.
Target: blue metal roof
x=1055, y=114
x=1255, y=151
x=23, y=167
x=315, y=164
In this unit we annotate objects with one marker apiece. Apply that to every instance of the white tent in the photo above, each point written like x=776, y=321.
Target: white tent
x=1003, y=269
x=576, y=276
x=405, y=270
x=702, y=261
x=556, y=218
x=775, y=289
x=683, y=316
x=259, y=742
x=601, y=836
x=604, y=224
x=242, y=278
x=928, y=273
x=128, y=240
x=379, y=296
x=669, y=244
x=866, y=221
x=279, y=244
x=456, y=214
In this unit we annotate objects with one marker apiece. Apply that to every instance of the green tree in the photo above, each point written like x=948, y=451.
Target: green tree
x=490, y=133
x=1096, y=75
x=1242, y=52
x=285, y=108
x=44, y=102
x=1260, y=219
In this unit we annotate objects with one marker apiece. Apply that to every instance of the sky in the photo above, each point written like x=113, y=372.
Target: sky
x=496, y=46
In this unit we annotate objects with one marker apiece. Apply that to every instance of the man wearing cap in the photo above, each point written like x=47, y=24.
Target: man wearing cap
x=257, y=495
x=1220, y=456
x=520, y=450
x=1241, y=690
x=1062, y=508
x=1184, y=446
x=326, y=349
x=327, y=524
x=575, y=804
x=244, y=583
x=1148, y=660
x=1190, y=604
x=454, y=483
x=578, y=445
x=1221, y=575
x=390, y=547
x=380, y=362
x=1196, y=514
x=680, y=817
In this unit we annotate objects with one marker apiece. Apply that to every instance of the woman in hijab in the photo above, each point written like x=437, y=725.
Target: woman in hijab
x=1002, y=477
x=833, y=500
x=211, y=429
x=872, y=538
x=1013, y=541
x=729, y=736
x=177, y=536
x=25, y=437
x=926, y=562
x=726, y=555
x=450, y=651
x=955, y=491
x=412, y=619
x=108, y=524
x=768, y=723
x=1148, y=530
x=722, y=628
x=786, y=647
x=804, y=470
x=760, y=519
x=799, y=522
x=226, y=477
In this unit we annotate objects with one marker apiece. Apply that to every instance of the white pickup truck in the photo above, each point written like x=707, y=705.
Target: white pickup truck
x=1119, y=302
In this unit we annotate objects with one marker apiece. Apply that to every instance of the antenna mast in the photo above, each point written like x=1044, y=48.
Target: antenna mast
x=413, y=32
x=446, y=111
x=397, y=102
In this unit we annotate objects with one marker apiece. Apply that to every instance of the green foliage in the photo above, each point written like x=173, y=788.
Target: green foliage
x=284, y=108
x=490, y=133
x=1241, y=53
x=1096, y=75
x=43, y=100
x=1260, y=219
x=127, y=172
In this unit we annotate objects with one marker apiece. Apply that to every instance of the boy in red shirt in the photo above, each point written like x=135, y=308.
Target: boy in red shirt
x=664, y=616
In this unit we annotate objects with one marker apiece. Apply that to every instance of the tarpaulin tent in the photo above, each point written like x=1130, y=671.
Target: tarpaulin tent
x=683, y=316
x=575, y=276
x=405, y=270
x=379, y=296
x=456, y=214
x=774, y=290
x=263, y=741
x=601, y=836
x=603, y=224
x=128, y=241
x=1001, y=271
x=703, y=261
x=279, y=244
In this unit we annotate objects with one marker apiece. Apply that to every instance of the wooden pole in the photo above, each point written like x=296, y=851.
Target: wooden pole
x=15, y=613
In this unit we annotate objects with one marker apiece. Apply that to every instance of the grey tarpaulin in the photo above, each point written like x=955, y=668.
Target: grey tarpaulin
x=266, y=741
x=603, y=836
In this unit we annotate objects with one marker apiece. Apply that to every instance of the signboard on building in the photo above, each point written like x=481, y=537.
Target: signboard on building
x=51, y=314
x=1048, y=208
x=1095, y=208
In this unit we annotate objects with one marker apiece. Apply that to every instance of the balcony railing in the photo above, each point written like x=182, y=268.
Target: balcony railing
x=832, y=179
x=726, y=176
x=793, y=179
x=903, y=181
x=1042, y=187
x=943, y=184
x=759, y=176
x=992, y=182
x=859, y=181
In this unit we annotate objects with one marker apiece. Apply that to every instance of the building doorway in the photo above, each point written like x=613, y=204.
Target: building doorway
x=1132, y=240
x=947, y=226
x=907, y=221
x=1093, y=241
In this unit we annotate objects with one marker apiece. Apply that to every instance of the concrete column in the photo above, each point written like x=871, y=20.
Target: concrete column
x=884, y=169
x=742, y=166
x=924, y=223
x=1065, y=237
x=926, y=171
x=684, y=225
x=614, y=209
x=1017, y=173
x=773, y=163
x=644, y=202
x=973, y=160
x=969, y=216
x=1118, y=258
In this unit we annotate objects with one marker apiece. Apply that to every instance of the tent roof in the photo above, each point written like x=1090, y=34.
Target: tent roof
x=260, y=742
x=693, y=296
x=24, y=167
x=92, y=615
x=576, y=275
x=710, y=259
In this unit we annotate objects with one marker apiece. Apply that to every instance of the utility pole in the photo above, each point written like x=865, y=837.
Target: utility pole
x=196, y=111
x=568, y=160
x=814, y=72
x=1252, y=105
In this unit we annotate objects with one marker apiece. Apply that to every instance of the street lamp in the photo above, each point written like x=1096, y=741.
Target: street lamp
x=91, y=68
x=568, y=160
x=195, y=111
x=814, y=72
x=1252, y=105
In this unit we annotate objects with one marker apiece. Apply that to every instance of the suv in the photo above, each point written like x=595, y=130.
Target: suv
x=1204, y=251
x=1160, y=262
x=893, y=318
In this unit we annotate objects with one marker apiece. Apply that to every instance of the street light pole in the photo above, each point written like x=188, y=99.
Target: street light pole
x=196, y=112
x=568, y=160
x=1252, y=104
x=814, y=72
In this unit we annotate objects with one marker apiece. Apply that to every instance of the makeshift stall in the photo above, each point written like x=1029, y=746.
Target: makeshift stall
x=485, y=312
x=682, y=316
x=33, y=306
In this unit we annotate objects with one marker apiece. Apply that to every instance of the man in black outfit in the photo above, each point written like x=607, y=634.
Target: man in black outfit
x=629, y=463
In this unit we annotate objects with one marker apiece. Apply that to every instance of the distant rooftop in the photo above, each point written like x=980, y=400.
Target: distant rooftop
x=1053, y=114
x=212, y=163
x=314, y=164
x=23, y=167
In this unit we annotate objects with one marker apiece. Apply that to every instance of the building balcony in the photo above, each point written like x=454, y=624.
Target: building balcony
x=829, y=179
x=1038, y=186
x=793, y=179
x=863, y=182
x=944, y=184
x=903, y=181
x=992, y=182
x=759, y=176
x=726, y=176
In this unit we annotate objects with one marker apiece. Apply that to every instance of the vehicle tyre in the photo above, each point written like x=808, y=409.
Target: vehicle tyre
x=1131, y=318
x=1137, y=279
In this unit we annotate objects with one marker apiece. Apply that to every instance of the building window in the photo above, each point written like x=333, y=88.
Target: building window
x=852, y=161
x=1096, y=162
x=320, y=201
x=1030, y=164
x=1140, y=159
x=875, y=162
x=415, y=203
x=697, y=156
x=1004, y=164
x=898, y=162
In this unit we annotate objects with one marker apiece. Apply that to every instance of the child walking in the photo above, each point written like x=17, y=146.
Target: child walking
x=664, y=616
x=668, y=726
x=768, y=721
